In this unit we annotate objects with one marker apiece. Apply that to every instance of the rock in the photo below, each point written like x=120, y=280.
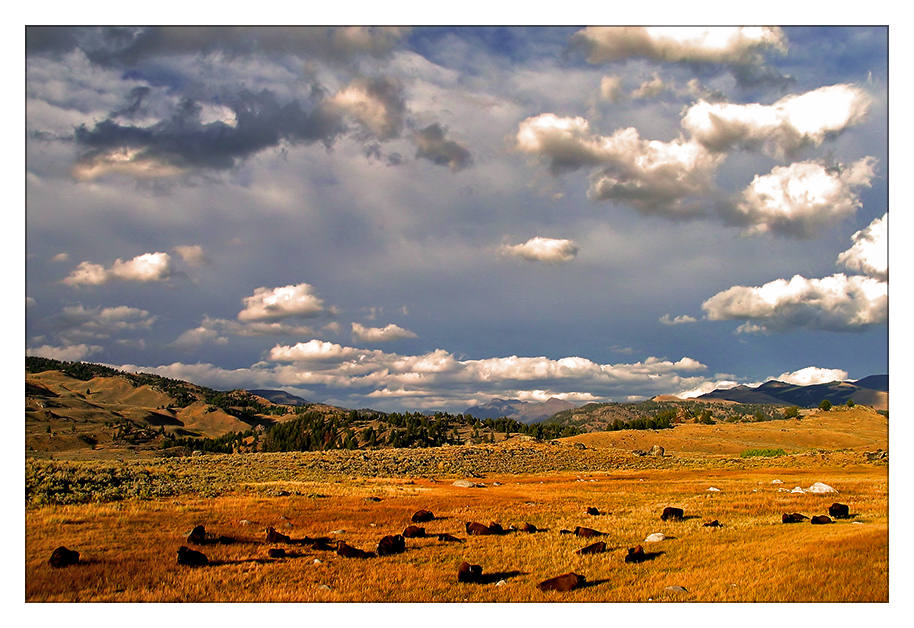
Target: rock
x=565, y=582
x=325, y=587
x=657, y=451
x=245, y=522
x=63, y=557
x=714, y=489
x=676, y=589
x=797, y=489
x=821, y=488
x=857, y=523
x=656, y=537
x=317, y=561
x=500, y=583
x=464, y=484
x=337, y=532
x=777, y=481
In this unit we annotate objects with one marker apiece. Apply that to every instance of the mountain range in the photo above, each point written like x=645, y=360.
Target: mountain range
x=523, y=411
x=870, y=391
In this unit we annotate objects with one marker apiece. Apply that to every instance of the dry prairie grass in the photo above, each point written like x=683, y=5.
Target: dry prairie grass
x=128, y=547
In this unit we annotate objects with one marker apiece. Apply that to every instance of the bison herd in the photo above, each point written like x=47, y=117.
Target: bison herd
x=466, y=573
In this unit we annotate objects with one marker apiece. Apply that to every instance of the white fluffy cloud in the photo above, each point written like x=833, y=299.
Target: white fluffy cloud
x=870, y=253
x=271, y=304
x=812, y=375
x=142, y=268
x=717, y=44
x=779, y=129
x=192, y=254
x=802, y=197
x=650, y=175
x=439, y=379
x=388, y=333
x=834, y=303
x=66, y=353
x=650, y=89
x=682, y=319
x=539, y=249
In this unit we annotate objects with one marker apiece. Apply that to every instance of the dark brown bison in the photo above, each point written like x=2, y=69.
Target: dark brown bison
x=391, y=544
x=414, y=532
x=496, y=528
x=276, y=552
x=197, y=536
x=793, y=518
x=421, y=516
x=191, y=558
x=322, y=545
x=713, y=524
x=63, y=557
x=449, y=538
x=528, y=527
x=477, y=529
x=469, y=573
x=347, y=551
x=820, y=519
x=635, y=555
x=839, y=511
x=592, y=511
x=587, y=532
x=672, y=514
x=563, y=583
x=564, y=531
x=276, y=537
x=597, y=548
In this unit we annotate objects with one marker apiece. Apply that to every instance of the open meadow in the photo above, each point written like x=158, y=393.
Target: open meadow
x=128, y=544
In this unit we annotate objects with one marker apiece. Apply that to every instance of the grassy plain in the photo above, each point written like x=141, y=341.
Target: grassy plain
x=128, y=545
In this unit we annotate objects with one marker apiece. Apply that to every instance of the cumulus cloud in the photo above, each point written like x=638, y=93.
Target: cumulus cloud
x=650, y=89
x=67, y=353
x=432, y=145
x=870, y=252
x=271, y=304
x=100, y=322
x=717, y=44
x=650, y=175
x=812, y=375
x=800, y=198
x=61, y=257
x=192, y=254
x=142, y=268
x=388, y=333
x=198, y=336
x=682, y=319
x=539, y=249
x=611, y=88
x=213, y=330
x=781, y=129
x=377, y=104
x=438, y=378
x=834, y=303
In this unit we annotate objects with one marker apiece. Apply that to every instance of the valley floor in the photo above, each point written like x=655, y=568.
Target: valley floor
x=128, y=547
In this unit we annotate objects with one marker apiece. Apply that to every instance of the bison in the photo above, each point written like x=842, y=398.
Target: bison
x=635, y=555
x=347, y=551
x=671, y=514
x=529, y=527
x=713, y=524
x=191, y=558
x=592, y=511
x=197, y=536
x=597, y=548
x=793, y=518
x=391, y=544
x=587, y=532
x=276, y=552
x=414, y=532
x=477, y=529
x=496, y=528
x=449, y=538
x=63, y=557
x=563, y=583
x=820, y=519
x=469, y=573
x=421, y=516
x=276, y=537
x=839, y=511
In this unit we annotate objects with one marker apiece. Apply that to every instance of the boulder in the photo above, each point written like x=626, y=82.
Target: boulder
x=464, y=484
x=821, y=488
x=656, y=537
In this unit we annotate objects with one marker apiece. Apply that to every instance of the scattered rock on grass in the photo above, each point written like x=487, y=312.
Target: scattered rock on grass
x=464, y=484
x=820, y=488
x=656, y=537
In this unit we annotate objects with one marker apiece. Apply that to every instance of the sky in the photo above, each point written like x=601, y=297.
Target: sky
x=431, y=217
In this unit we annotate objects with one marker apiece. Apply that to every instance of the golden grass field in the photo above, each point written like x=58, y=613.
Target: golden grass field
x=128, y=547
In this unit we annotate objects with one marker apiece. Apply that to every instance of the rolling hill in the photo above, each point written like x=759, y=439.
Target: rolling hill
x=870, y=391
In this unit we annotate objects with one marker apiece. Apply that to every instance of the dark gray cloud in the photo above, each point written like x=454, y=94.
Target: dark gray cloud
x=182, y=140
x=129, y=45
x=431, y=144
